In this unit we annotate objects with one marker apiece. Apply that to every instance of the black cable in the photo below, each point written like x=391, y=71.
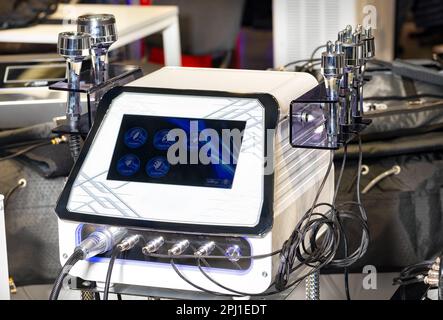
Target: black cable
x=72, y=260
x=21, y=144
x=25, y=150
x=11, y=192
x=240, y=294
x=308, y=61
x=400, y=98
x=115, y=253
x=193, y=284
x=294, y=253
x=189, y=256
x=417, y=279
x=294, y=247
x=345, y=240
x=298, y=61
x=315, y=51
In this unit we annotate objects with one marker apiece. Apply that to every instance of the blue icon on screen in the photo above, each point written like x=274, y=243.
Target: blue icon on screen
x=157, y=167
x=135, y=137
x=161, y=140
x=128, y=165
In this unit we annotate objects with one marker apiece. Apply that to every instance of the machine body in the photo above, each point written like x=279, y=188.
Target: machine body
x=246, y=208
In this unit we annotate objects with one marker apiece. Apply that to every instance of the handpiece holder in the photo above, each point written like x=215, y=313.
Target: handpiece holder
x=98, y=32
x=119, y=75
x=330, y=115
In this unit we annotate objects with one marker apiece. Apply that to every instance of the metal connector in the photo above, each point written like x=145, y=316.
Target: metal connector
x=179, y=248
x=101, y=241
x=433, y=273
x=129, y=242
x=206, y=249
x=58, y=140
x=153, y=245
x=431, y=281
x=233, y=253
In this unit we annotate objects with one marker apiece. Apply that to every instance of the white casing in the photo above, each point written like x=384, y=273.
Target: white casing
x=297, y=175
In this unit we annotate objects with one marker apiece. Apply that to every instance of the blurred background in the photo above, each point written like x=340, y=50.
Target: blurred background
x=262, y=34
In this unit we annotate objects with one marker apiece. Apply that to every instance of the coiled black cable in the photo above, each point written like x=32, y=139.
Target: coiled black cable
x=295, y=246
x=72, y=260
x=295, y=252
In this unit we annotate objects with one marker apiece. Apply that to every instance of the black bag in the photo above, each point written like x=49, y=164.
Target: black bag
x=23, y=13
x=405, y=211
x=400, y=106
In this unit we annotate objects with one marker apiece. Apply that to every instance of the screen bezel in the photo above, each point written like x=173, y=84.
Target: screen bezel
x=271, y=111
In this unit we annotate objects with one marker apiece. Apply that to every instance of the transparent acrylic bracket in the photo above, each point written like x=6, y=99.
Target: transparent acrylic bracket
x=307, y=122
x=119, y=75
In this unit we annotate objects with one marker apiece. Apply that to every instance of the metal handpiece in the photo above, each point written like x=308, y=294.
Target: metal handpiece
x=74, y=47
x=332, y=62
x=103, y=32
x=357, y=101
x=368, y=44
x=367, y=52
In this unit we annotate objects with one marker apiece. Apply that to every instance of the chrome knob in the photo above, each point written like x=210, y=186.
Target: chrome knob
x=74, y=46
x=101, y=28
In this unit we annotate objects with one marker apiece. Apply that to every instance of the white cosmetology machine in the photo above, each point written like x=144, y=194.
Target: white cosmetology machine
x=227, y=209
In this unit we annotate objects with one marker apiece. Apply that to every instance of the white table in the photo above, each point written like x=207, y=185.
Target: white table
x=133, y=23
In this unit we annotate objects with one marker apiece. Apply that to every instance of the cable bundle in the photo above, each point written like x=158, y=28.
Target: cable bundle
x=306, y=247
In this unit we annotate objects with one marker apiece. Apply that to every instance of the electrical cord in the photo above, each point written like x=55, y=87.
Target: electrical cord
x=21, y=144
x=189, y=256
x=115, y=253
x=401, y=98
x=295, y=253
x=307, y=61
x=193, y=284
x=98, y=242
x=72, y=260
x=299, y=61
x=126, y=244
x=291, y=247
x=25, y=150
x=345, y=239
x=413, y=273
x=56, y=140
x=20, y=184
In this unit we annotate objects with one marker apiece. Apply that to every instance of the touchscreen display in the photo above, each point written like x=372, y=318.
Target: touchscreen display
x=180, y=151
